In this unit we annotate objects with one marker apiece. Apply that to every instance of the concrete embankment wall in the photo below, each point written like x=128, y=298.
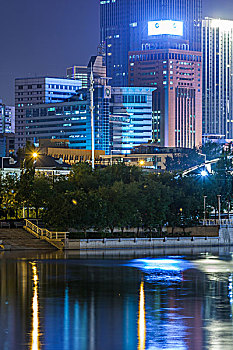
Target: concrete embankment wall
x=225, y=238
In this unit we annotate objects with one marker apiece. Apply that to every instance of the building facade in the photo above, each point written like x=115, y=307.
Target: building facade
x=124, y=26
x=32, y=91
x=78, y=73
x=176, y=76
x=122, y=119
x=130, y=118
x=7, y=118
x=217, y=48
x=71, y=120
x=7, y=129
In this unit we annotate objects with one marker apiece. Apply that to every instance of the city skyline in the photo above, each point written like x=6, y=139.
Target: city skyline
x=45, y=48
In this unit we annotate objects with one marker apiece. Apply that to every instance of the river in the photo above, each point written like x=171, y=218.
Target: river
x=126, y=300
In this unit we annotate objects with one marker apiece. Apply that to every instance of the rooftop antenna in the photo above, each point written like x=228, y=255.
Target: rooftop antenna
x=92, y=119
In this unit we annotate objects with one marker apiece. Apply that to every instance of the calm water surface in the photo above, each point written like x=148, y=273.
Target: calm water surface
x=142, y=301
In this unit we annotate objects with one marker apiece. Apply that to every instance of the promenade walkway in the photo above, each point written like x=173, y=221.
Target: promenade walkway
x=19, y=239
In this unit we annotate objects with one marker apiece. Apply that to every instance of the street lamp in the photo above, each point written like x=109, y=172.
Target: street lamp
x=142, y=162
x=219, y=207
x=204, y=207
x=34, y=155
x=204, y=173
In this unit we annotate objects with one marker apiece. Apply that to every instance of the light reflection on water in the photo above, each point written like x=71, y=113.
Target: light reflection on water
x=35, y=341
x=141, y=319
x=103, y=304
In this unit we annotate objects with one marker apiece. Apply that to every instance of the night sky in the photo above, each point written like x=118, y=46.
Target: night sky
x=44, y=37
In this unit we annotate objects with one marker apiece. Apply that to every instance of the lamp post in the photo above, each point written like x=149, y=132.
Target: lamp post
x=219, y=207
x=204, y=207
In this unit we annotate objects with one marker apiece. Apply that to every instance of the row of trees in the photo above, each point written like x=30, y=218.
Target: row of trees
x=115, y=197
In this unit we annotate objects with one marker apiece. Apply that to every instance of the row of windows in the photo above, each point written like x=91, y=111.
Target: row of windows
x=134, y=99
x=50, y=111
x=51, y=86
x=164, y=56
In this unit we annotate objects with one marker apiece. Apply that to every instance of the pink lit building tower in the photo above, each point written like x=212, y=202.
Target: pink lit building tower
x=166, y=63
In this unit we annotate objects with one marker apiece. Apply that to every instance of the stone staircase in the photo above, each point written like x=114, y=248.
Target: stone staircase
x=19, y=239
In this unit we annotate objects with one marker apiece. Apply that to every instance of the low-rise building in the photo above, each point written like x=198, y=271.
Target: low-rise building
x=60, y=149
x=44, y=164
x=151, y=156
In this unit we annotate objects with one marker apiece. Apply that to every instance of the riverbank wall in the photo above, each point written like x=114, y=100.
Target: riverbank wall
x=223, y=238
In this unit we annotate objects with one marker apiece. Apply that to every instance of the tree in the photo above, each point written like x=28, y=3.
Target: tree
x=41, y=193
x=212, y=150
x=183, y=161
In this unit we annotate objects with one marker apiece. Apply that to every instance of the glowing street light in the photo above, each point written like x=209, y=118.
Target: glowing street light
x=34, y=155
x=142, y=162
x=204, y=173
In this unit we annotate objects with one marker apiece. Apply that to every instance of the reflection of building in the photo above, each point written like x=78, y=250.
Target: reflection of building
x=177, y=100
x=124, y=25
x=217, y=48
x=33, y=91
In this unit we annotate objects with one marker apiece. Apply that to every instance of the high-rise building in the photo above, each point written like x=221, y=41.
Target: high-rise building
x=78, y=73
x=32, y=91
x=130, y=118
x=217, y=48
x=124, y=26
x=176, y=76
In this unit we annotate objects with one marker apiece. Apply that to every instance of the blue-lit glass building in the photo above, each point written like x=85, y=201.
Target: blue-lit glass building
x=122, y=118
x=71, y=120
x=130, y=118
x=124, y=26
x=34, y=91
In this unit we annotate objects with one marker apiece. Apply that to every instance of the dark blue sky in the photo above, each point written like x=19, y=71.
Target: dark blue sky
x=40, y=37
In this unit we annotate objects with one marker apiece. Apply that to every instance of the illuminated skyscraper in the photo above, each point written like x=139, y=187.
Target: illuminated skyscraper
x=217, y=48
x=175, y=75
x=123, y=27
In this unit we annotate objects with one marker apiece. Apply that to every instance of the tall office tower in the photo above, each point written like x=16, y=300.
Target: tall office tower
x=123, y=27
x=130, y=118
x=177, y=100
x=32, y=91
x=78, y=73
x=217, y=48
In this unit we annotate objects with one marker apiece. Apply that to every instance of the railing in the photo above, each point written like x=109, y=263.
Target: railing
x=43, y=233
x=213, y=222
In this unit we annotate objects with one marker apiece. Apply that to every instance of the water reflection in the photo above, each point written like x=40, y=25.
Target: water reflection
x=35, y=341
x=141, y=319
x=102, y=304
